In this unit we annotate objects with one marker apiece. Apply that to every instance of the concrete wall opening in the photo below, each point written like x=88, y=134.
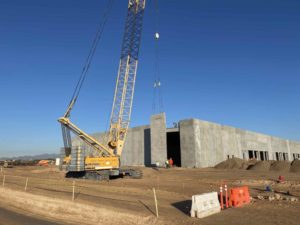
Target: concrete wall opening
x=282, y=156
x=277, y=156
x=250, y=154
x=262, y=157
x=147, y=147
x=259, y=155
x=253, y=154
x=173, y=147
x=256, y=154
x=296, y=156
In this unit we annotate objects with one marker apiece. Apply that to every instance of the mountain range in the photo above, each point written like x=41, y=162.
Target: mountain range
x=32, y=157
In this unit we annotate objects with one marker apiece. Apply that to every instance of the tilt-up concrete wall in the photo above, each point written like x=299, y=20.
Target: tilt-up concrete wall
x=158, y=139
x=202, y=144
x=205, y=144
x=136, y=151
x=144, y=145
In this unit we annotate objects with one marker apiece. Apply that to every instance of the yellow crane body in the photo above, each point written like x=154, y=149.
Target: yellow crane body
x=102, y=163
x=105, y=160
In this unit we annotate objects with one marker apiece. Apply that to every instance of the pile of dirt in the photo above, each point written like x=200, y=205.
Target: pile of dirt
x=280, y=166
x=235, y=163
x=295, y=166
x=261, y=166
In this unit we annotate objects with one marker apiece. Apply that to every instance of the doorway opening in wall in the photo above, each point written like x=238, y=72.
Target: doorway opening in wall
x=250, y=154
x=262, y=157
x=259, y=155
x=256, y=154
x=296, y=156
x=277, y=156
x=173, y=147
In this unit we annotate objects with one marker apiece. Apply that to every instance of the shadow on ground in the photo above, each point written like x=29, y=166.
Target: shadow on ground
x=183, y=206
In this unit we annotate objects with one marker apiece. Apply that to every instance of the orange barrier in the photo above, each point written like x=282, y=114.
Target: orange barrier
x=239, y=196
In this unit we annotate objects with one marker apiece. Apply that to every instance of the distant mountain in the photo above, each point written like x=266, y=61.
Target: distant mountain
x=32, y=157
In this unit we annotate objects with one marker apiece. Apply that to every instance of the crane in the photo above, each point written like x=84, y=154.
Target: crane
x=106, y=159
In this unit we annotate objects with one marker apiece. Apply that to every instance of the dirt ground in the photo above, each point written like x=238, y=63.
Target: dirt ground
x=174, y=188
x=10, y=217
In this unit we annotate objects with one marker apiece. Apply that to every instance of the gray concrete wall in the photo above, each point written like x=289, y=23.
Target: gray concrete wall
x=202, y=143
x=205, y=144
x=136, y=149
x=158, y=139
x=294, y=148
x=231, y=143
x=188, y=146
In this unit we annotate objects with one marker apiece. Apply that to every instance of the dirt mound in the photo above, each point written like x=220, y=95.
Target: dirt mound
x=261, y=166
x=235, y=163
x=281, y=166
x=295, y=166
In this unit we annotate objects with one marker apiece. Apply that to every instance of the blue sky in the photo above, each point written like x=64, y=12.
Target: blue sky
x=231, y=62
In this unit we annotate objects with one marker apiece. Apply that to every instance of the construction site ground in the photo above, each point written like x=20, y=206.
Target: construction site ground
x=174, y=189
x=13, y=216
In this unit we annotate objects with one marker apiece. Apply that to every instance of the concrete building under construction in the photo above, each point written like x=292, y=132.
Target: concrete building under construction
x=198, y=143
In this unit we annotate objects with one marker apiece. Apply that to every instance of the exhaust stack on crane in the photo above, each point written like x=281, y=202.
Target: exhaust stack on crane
x=107, y=161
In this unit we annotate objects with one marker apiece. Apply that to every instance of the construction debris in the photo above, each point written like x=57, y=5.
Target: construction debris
x=277, y=197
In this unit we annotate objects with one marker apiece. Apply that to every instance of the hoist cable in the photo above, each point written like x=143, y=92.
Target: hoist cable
x=157, y=89
x=92, y=51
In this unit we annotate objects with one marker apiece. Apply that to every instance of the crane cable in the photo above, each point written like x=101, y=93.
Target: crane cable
x=157, y=89
x=90, y=56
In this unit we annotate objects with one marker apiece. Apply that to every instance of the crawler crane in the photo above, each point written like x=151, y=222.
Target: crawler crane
x=105, y=161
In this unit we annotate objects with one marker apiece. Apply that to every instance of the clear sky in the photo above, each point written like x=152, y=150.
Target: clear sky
x=232, y=62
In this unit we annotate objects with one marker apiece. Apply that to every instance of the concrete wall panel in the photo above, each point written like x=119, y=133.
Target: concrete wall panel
x=202, y=143
x=158, y=139
x=230, y=143
x=188, y=146
x=134, y=149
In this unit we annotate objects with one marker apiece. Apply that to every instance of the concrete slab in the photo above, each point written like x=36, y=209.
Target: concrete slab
x=158, y=139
